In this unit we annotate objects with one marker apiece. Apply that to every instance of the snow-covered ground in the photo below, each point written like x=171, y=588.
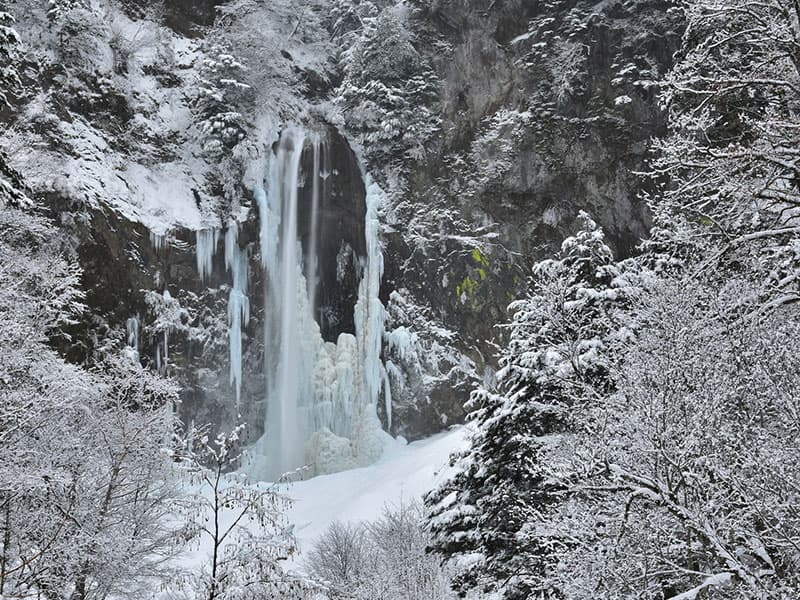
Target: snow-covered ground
x=404, y=472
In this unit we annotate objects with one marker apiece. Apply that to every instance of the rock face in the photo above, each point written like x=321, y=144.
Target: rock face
x=546, y=108
x=340, y=237
x=128, y=271
x=184, y=16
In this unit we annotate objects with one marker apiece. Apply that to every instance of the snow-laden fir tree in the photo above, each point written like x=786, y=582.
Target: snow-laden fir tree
x=58, y=9
x=490, y=516
x=9, y=57
x=388, y=85
x=221, y=96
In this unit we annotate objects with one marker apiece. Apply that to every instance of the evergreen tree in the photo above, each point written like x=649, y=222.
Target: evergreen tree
x=61, y=8
x=496, y=505
x=220, y=97
x=9, y=56
x=387, y=88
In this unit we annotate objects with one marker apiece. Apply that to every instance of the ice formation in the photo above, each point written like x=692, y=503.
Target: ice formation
x=238, y=304
x=132, y=326
x=158, y=240
x=321, y=396
x=206, y=247
x=167, y=313
x=321, y=170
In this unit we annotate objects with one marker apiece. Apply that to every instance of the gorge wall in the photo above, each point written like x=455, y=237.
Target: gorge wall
x=541, y=109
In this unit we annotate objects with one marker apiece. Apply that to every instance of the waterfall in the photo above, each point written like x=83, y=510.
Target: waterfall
x=321, y=397
x=284, y=421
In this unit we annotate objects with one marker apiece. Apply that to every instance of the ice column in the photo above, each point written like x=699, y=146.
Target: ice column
x=238, y=304
x=206, y=247
x=132, y=326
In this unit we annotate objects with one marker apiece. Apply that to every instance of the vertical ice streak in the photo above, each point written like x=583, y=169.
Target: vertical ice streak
x=132, y=326
x=206, y=247
x=158, y=241
x=311, y=256
x=238, y=304
x=387, y=398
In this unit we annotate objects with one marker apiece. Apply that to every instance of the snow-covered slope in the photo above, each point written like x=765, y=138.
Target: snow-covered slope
x=404, y=473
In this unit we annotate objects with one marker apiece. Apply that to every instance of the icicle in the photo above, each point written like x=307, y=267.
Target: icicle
x=370, y=314
x=132, y=329
x=311, y=257
x=238, y=304
x=207, y=240
x=387, y=399
x=158, y=240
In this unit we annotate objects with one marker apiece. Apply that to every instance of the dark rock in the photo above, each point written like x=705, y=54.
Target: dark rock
x=341, y=242
x=184, y=16
x=582, y=90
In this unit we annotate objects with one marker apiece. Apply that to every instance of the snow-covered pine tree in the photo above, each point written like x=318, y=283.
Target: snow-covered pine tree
x=221, y=94
x=495, y=505
x=58, y=9
x=12, y=187
x=387, y=88
x=9, y=56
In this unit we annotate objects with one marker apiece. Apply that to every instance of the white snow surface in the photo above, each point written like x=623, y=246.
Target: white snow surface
x=404, y=473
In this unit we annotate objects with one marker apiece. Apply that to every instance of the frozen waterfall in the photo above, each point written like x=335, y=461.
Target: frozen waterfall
x=321, y=396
